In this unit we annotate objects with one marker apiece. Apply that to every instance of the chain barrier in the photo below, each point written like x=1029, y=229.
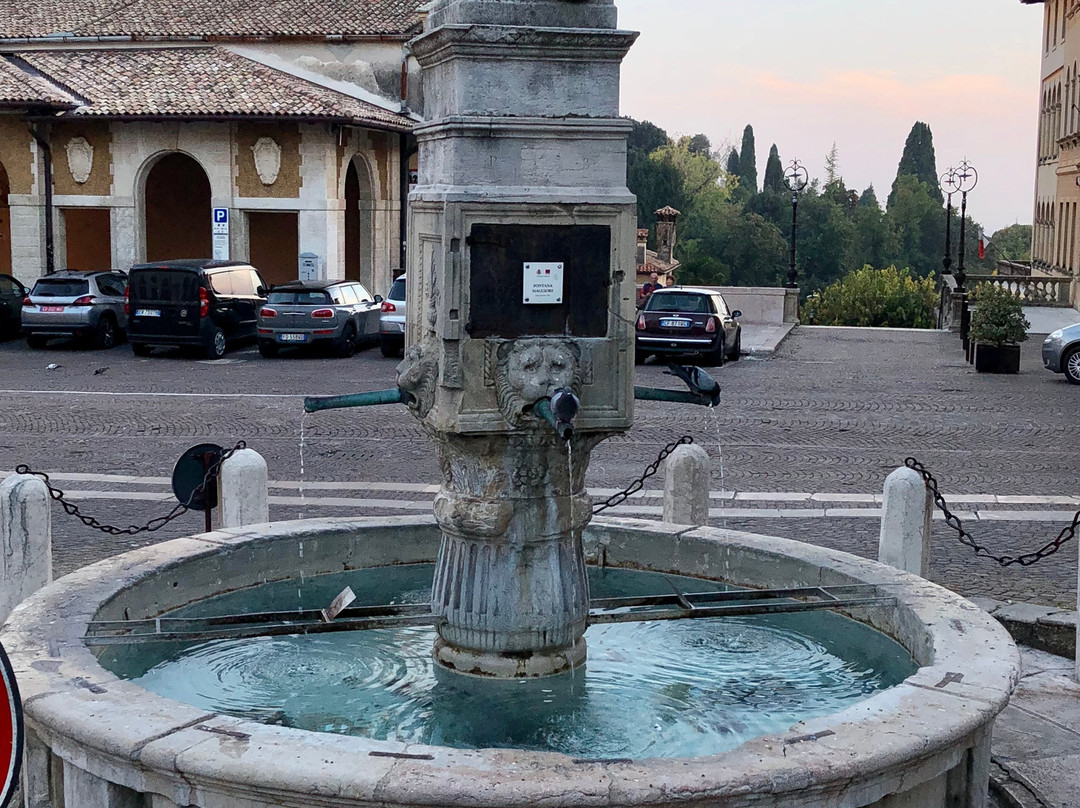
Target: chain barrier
x=154, y=524
x=650, y=470
x=1024, y=560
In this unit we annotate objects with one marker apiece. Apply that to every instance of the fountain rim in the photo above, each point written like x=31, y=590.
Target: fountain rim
x=85, y=713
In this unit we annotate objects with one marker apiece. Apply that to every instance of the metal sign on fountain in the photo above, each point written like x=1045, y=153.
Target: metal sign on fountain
x=11, y=730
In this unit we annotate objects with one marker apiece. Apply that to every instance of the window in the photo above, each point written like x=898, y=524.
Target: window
x=362, y=294
x=7, y=286
x=348, y=294
x=111, y=285
x=299, y=297
x=60, y=287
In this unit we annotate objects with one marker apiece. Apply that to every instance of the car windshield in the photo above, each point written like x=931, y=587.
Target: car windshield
x=299, y=297
x=682, y=302
x=397, y=291
x=60, y=287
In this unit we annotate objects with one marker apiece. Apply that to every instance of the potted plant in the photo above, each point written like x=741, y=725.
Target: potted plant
x=998, y=326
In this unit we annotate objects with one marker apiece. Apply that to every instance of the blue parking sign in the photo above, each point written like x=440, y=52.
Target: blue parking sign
x=221, y=215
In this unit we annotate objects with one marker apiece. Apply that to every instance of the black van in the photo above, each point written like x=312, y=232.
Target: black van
x=206, y=304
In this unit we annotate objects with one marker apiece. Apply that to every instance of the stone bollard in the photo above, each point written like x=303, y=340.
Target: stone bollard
x=25, y=539
x=686, y=486
x=905, y=522
x=242, y=490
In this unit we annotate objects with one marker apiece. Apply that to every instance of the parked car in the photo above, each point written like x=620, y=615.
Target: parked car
x=338, y=314
x=12, y=294
x=688, y=321
x=392, y=320
x=1061, y=352
x=199, y=303
x=74, y=303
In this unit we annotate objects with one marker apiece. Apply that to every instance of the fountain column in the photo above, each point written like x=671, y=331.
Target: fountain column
x=520, y=284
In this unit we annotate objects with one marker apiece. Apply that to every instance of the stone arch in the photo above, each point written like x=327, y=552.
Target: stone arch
x=359, y=195
x=5, y=223
x=175, y=207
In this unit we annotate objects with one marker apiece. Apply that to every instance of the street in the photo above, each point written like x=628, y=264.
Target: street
x=801, y=444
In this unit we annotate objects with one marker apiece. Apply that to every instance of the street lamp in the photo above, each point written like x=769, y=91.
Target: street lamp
x=795, y=178
x=967, y=178
x=950, y=184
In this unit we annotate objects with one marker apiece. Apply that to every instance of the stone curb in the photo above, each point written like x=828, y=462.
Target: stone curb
x=1043, y=628
x=768, y=347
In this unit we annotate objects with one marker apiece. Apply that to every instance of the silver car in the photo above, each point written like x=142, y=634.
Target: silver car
x=1061, y=352
x=70, y=303
x=392, y=320
x=338, y=314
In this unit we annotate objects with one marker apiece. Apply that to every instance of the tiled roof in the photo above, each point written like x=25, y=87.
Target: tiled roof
x=208, y=18
x=197, y=82
x=20, y=89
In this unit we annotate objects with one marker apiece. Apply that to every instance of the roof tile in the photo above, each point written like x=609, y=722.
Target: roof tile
x=19, y=88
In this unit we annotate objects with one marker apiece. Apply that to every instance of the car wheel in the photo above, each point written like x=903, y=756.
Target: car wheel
x=1070, y=365
x=37, y=340
x=105, y=335
x=215, y=345
x=268, y=349
x=736, y=348
x=345, y=346
x=140, y=349
x=389, y=348
x=715, y=358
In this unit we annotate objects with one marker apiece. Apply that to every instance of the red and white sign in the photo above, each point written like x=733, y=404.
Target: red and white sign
x=11, y=730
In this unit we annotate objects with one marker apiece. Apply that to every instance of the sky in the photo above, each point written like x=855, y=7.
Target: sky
x=808, y=73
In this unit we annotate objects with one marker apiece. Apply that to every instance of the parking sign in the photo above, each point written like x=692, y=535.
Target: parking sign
x=220, y=221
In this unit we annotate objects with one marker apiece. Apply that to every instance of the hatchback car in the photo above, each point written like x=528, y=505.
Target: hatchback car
x=688, y=321
x=197, y=303
x=392, y=320
x=71, y=303
x=338, y=314
x=12, y=294
x=1061, y=352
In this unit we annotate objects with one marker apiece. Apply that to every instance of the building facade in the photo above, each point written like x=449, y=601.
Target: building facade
x=124, y=134
x=1055, y=242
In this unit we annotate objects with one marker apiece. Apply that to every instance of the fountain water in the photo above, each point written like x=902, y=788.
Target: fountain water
x=521, y=271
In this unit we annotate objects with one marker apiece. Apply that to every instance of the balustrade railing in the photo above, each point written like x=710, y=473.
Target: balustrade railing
x=1033, y=290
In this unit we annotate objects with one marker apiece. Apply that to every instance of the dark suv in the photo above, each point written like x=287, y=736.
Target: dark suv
x=198, y=303
x=688, y=321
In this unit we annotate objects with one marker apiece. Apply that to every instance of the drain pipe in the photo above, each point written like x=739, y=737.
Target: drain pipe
x=46, y=153
x=403, y=233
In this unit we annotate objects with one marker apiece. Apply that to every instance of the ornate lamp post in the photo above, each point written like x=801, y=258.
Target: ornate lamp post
x=795, y=178
x=950, y=184
x=967, y=178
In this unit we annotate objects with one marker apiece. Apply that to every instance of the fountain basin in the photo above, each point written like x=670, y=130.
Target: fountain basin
x=103, y=740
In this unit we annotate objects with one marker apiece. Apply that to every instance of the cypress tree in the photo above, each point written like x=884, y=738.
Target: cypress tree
x=733, y=162
x=920, y=162
x=869, y=199
x=774, y=172
x=748, y=161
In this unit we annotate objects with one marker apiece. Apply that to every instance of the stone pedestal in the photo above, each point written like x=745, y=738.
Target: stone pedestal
x=522, y=172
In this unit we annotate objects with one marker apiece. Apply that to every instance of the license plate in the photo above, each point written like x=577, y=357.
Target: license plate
x=667, y=323
x=147, y=312
x=293, y=337
x=52, y=308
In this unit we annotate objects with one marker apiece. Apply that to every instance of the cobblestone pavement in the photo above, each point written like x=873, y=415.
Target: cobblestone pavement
x=833, y=411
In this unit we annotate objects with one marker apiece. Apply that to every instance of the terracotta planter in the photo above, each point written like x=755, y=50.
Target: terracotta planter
x=997, y=358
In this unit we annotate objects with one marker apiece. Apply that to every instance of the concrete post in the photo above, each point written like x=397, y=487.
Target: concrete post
x=686, y=486
x=242, y=490
x=1077, y=670
x=905, y=522
x=25, y=539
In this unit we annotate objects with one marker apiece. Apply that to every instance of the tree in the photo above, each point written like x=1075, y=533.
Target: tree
x=919, y=161
x=869, y=198
x=748, y=161
x=646, y=137
x=733, y=162
x=699, y=144
x=832, y=166
x=918, y=224
x=873, y=242
x=1012, y=243
x=774, y=173
x=883, y=298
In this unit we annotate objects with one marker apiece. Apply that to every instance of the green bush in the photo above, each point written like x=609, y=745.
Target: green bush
x=883, y=298
x=998, y=318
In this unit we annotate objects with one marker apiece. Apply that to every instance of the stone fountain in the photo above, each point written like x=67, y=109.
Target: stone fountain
x=521, y=279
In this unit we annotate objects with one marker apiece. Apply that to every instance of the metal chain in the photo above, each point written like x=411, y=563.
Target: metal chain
x=650, y=470
x=1024, y=560
x=154, y=524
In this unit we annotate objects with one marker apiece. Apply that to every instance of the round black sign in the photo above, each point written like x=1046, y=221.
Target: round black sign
x=11, y=730
x=189, y=473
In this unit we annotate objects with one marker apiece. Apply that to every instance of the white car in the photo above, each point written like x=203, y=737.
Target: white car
x=392, y=319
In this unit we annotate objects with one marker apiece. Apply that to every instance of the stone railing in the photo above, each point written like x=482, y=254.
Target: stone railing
x=948, y=313
x=1033, y=290
x=1013, y=269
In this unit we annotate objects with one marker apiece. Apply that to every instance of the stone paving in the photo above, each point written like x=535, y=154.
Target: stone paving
x=833, y=411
